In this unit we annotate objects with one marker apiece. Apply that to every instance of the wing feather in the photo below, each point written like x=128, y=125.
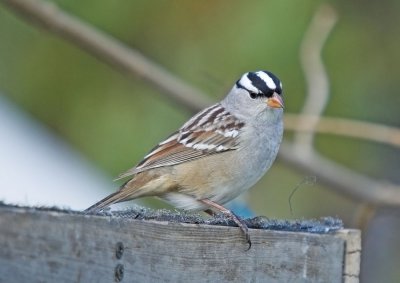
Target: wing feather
x=212, y=131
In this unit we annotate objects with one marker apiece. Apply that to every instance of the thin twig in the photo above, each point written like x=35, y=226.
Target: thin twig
x=109, y=50
x=308, y=180
x=132, y=63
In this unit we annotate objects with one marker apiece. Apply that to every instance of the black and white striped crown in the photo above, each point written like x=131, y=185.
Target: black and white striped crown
x=261, y=83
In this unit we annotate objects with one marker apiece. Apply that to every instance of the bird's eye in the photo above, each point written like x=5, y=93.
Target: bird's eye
x=253, y=95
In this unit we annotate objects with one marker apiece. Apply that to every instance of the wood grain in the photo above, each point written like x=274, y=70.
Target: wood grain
x=45, y=246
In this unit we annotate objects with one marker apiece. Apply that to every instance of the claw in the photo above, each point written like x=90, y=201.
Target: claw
x=242, y=226
x=240, y=223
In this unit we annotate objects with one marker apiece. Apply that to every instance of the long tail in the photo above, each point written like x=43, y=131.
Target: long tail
x=107, y=201
x=141, y=185
x=118, y=196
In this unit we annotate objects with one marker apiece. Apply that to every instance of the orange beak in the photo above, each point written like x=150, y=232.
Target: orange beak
x=275, y=101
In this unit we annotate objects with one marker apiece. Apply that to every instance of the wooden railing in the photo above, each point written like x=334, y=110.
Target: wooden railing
x=45, y=245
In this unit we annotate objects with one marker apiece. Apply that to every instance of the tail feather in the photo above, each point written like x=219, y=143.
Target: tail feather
x=142, y=185
x=107, y=201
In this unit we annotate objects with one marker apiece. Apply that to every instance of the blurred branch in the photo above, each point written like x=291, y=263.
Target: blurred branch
x=107, y=49
x=132, y=63
x=343, y=127
x=301, y=153
x=343, y=180
x=315, y=74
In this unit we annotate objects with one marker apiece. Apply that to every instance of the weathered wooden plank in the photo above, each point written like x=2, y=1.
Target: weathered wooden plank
x=352, y=256
x=40, y=246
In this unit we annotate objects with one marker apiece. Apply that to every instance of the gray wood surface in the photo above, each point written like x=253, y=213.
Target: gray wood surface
x=39, y=246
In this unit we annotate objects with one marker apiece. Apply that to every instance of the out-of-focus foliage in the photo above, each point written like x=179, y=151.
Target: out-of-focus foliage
x=115, y=121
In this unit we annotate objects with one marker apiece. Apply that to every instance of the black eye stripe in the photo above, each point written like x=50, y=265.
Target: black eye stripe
x=259, y=83
x=253, y=95
x=254, y=83
x=276, y=81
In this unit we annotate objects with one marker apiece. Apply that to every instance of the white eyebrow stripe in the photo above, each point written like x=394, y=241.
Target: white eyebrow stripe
x=267, y=79
x=247, y=84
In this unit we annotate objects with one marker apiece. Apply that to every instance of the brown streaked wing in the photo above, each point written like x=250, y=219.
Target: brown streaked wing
x=191, y=143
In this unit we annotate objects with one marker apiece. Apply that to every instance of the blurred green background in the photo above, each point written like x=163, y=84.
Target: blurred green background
x=114, y=120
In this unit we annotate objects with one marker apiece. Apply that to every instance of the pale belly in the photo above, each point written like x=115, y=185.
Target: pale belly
x=219, y=179
x=224, y=176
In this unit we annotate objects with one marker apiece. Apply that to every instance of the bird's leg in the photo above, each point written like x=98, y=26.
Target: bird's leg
x=242, y=225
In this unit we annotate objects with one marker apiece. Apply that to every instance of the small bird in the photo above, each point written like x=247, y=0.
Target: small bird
x=216, y=155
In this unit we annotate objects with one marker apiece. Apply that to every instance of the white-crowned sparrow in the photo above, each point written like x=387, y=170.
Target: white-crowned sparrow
x=219, y=153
